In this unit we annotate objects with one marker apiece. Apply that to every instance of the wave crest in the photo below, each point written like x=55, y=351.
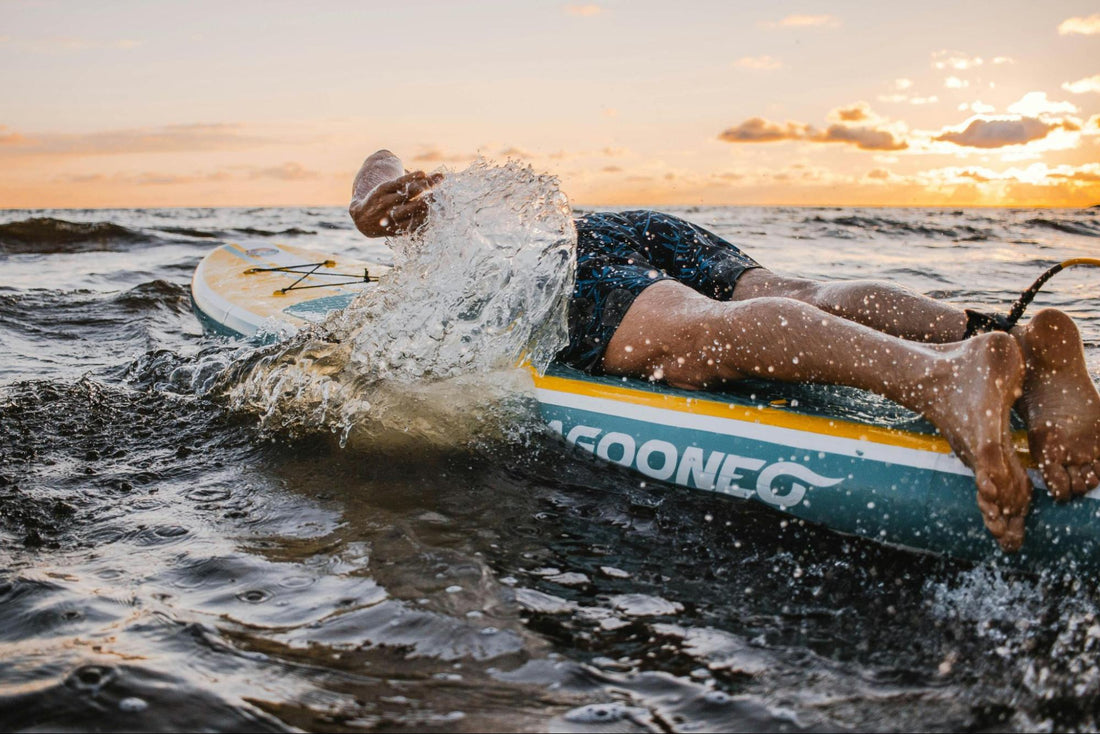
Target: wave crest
x=46, y=235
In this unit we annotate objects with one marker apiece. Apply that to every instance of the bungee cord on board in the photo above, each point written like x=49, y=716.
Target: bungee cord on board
x=315, y=269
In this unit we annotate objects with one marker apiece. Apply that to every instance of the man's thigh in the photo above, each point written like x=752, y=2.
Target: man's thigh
x=667, y=321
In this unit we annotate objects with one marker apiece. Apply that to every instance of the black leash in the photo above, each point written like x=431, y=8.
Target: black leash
x=979, y=322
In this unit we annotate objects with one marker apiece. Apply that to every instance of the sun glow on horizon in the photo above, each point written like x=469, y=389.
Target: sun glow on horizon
x=628, y=103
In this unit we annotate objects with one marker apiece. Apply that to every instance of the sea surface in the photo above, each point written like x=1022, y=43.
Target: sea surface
x=168, y=563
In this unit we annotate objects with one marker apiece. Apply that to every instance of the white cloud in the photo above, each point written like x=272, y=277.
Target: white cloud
x=1038, y=174
x=953, y=82
x=1089, y=26
x=902, y=84
x=1004, y=60
x=804, y=21
x=955, y=60
x=1081, y=86
x=977, y=107
x=1034, y=104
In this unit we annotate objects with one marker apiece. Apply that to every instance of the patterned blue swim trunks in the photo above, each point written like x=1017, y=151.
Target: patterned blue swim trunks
x=621, y=254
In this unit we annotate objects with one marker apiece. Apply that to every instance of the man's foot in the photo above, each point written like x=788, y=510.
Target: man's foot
x=970, y=402
x=1060, y=405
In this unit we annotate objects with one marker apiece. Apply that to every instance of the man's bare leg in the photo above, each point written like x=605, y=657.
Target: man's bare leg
x=1060, y=404
x=967, y=389
x=884, y=307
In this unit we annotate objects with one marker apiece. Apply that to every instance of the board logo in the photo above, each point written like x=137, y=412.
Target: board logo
x=782, y=483
x=261, y=252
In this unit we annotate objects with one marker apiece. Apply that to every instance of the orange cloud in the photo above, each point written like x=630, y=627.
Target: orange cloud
x=435, y=155
x=583, y=11
x=167, y=139
x=142, y=178
x=1083, y=175
x=998, y=132
x=286, y=172
x=10, y=138
x=864, y=138
x=758, y=62
x=514, y=152
x=859, y=112
x=1088, y=26
x=759, y=130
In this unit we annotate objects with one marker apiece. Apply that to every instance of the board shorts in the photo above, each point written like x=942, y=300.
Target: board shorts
x=621, y=254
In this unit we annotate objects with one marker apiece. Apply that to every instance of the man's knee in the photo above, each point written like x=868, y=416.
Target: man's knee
x=761, y=283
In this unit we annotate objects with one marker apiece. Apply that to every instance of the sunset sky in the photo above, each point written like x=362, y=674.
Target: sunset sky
x=628, y=101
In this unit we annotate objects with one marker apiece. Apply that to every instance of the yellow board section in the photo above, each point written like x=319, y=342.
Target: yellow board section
x=763, y=415
x=263, y=294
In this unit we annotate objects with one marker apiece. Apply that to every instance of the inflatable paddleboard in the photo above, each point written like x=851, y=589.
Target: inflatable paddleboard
x=882, y=474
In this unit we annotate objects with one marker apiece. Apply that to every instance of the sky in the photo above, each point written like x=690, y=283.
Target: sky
x=628, y=102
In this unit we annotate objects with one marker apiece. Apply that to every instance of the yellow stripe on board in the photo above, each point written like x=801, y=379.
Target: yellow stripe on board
x=762, y=415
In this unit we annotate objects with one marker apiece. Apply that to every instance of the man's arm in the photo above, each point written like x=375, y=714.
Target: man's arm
x=384, y=202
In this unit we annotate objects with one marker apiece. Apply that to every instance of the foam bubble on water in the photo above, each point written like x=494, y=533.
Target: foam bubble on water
x=433, y=349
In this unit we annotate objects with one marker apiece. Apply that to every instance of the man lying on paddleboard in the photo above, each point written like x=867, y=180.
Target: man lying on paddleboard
x=659, y=298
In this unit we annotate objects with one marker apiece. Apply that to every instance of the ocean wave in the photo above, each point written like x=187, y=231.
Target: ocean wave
x=896, y=227
x=193, y=232
x=1068, y=226
x=46, y=235
x=64, y=333
x=289, y=232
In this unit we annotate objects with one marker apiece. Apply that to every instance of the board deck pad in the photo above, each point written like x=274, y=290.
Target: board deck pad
x=835, y=456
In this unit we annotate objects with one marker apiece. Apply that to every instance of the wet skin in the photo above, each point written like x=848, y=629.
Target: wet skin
x=1060, y=403
x=965, y=389
x=786, y=329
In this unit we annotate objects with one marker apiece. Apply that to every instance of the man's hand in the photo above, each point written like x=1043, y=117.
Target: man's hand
x=395, y=207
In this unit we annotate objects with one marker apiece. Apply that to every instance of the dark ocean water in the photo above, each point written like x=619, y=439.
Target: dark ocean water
x=165, y=565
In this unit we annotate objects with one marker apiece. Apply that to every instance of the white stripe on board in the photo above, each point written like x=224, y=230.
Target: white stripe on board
x=227, y=313
x=786, y=437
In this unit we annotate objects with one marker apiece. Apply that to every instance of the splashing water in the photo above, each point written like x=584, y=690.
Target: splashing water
x=432, y=352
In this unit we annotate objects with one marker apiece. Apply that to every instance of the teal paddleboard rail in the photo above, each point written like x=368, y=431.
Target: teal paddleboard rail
x=831, y=456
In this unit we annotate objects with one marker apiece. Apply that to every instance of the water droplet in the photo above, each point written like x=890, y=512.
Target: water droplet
x=254, y=596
